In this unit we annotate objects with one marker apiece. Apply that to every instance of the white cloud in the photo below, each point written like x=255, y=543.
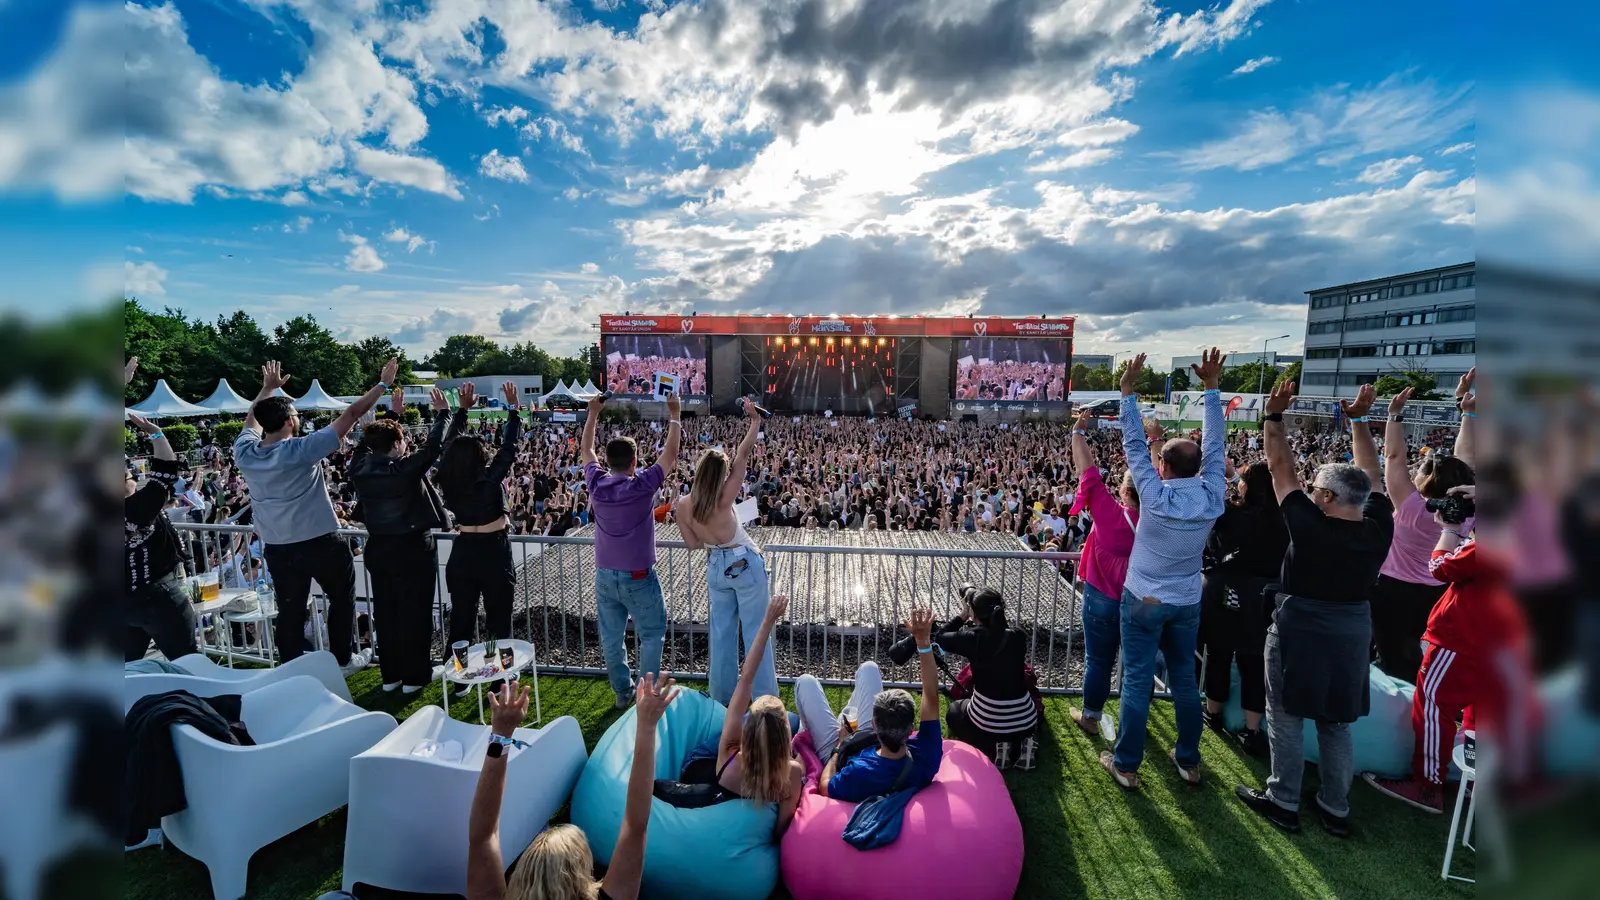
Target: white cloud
x=1463, y=147
x=143, y=279
x=294, y=198
x=1208, y=27
x=411, y=171
x=507, y=115
x=493, y=212
x=1387, y=170
x=1251, y=65
x=438, y=325
x=572, y=193
x=1088, y=156
x=505, y=168
x=299, y=225
x=362, y=256
x=412, y=241
x=1340, y=124
x=1105, y=131
x=589, y=268
x=132, y=249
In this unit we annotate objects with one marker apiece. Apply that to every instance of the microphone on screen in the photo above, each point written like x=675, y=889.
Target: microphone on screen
x=765, y=414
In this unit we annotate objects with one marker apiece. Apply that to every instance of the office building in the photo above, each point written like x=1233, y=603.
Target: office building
x=1421, y=321
x=1093, y=360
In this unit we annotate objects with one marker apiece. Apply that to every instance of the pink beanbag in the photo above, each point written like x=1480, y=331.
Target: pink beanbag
x=965, y=815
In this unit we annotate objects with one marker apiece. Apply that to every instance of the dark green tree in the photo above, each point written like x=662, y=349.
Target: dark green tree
x=1291, y=373
x=241, y=349
x=1246, y=378
x=1180, y=380
x=1392, y=383
x=373, y=352
x=458, y=353
x=308, y=351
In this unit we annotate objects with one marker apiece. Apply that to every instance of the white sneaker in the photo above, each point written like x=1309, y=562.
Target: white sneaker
x=438, y=673
x=358, y=661
x=412, y=689
x=391, y=687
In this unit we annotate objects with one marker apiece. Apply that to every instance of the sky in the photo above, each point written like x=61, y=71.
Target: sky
x=1174, y=175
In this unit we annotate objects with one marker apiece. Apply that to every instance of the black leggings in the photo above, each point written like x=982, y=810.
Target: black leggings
x=1400, y=612
x=480, y=566
x=1234, y=627
x=402, y=569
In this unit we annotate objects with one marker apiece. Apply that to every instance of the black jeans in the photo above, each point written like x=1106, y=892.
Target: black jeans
x=326, y=559
x=402, y=569
x=159, y=611
x=1233, y=628
x=1400, y=612
x=480, y=566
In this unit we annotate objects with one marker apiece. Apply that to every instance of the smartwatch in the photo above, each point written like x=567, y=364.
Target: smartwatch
x=1272, y=417
x=495, y=750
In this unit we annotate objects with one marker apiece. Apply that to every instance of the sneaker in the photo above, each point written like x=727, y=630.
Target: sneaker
x=463, y=690
x=391, y=687
x=411, y=689
x=624, y=700
x=1286, y=819
x=438, y=673
x=1254, y=742
x=1213, y=721
x=358, y=661
x=1089, y=724
x=1191, y=777
x=1420, y=794
x=1128, y=781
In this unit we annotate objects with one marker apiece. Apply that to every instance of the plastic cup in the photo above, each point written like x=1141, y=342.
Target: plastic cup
x=458, y=651
x=850, y=719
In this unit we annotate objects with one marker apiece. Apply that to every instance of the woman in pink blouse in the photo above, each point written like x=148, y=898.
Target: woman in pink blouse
x=1104, y=566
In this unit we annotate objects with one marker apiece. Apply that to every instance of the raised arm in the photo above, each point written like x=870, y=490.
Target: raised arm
x=921, y=626
x=1134, y=443
x=669, y=455
x=509, y=436
x=1467, y=402
x=424, y=456
x=1082, y=456
x=741, y=458
x=733, y=721
x=158, y=441
x=353, y=413
x=627, y=861
x=486, y=871
x=1214, y=425
x=1396, y=473
x=272, y=378
x=1275, y=440
x=589, y=423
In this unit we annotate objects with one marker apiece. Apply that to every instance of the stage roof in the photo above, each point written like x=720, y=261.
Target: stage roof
x=870, y=326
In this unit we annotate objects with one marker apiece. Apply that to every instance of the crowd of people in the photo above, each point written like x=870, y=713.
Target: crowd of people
x=1008, y=380
x=637, y=374
x=1296, y=560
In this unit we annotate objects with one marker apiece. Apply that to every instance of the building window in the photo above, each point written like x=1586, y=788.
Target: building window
x=1323, y=327
x=1455, y=282
x=1454, y=347
x=1358, y=352
x=1323, y=353
x=1458, y=314
x=1347, y=379
x=1317, y=378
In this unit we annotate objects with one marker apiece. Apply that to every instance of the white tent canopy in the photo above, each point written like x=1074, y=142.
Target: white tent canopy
x=589, y=390
x=561, y=390
x=317, y=398
x=163, y=403
x=225, y=399
x=84, y=402
x=25, y=399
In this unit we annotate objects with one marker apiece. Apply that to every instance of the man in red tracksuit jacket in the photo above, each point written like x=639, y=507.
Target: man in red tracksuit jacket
x=1476, y=661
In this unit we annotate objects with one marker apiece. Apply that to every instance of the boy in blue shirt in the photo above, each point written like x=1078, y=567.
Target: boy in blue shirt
x=893, y=717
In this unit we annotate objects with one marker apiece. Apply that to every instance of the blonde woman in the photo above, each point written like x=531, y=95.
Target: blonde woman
x=754, y=756
x=559, y=865
x=736, y=576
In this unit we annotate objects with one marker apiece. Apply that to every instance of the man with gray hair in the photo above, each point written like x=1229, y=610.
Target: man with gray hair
x=909, y=744
x=1321, y=635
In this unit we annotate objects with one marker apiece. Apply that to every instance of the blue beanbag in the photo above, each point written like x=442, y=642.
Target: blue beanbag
x=722, y=852
x=1383, y=738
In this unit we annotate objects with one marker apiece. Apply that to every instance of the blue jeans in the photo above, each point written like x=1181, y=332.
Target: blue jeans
x=738, y=587
x=1171, y=631
x=617, y=596
x=1102, y=638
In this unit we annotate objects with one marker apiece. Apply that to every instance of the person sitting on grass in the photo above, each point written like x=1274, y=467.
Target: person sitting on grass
x=755, y=758
x=892, y=718
x=559, y=864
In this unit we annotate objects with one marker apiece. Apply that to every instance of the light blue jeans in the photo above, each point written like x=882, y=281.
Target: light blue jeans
x=617, y=596
x=1149, y=630
x=739, y=597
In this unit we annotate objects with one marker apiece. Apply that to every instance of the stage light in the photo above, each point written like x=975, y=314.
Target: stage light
x=848, y=342
x=813, y=342
x=882, y=341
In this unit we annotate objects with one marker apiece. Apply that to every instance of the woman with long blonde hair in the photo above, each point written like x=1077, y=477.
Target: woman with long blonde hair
x=559, y=864
x=754, y=755
x=736, y=575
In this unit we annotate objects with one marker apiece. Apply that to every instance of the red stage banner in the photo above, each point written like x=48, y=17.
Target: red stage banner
x=861, y=326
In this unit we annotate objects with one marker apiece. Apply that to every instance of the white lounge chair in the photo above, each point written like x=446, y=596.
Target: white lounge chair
x=207, y=679
x=407, y=825
x=241, y=799
x=33, y=832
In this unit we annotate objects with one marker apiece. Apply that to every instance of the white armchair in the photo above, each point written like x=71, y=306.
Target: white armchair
x=33, y=832
x=207, y=679
x=407, y=824
x=241, y=799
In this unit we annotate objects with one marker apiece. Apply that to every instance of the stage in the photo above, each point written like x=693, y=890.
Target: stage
x=845, y=605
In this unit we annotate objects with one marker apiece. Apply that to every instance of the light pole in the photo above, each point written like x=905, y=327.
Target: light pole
x=1262, y=378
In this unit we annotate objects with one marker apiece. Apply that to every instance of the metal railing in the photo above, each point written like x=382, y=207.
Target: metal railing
x=847, y=604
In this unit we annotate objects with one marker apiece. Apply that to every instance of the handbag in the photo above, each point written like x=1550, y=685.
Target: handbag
x=875, y=822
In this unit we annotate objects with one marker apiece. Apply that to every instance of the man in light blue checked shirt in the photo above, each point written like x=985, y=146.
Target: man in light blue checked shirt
x=1182, y=490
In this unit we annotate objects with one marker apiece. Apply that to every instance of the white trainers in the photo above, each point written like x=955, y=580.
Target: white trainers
x=391, y=687
x=358, y=661
x=411, y=689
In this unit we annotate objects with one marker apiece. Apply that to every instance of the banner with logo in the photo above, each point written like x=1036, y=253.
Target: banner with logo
x=1237, y=407
x=861, y=326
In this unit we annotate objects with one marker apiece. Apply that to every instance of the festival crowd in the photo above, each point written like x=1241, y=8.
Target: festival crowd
x=1042, y=381
x=1298, y=560
x=637, y=375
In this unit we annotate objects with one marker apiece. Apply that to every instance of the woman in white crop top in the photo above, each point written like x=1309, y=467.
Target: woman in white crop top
x=735, y=574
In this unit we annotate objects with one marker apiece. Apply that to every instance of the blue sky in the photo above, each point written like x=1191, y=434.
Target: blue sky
x=1174, y=175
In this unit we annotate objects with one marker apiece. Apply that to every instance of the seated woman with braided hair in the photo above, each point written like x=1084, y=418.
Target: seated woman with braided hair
x=1001, y=706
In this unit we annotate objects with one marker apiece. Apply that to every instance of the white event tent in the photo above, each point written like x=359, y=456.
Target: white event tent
x=225, y=399
x=317, y=398
x=163, y=403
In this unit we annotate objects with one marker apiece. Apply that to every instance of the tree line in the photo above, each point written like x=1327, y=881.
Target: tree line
x=192, y=354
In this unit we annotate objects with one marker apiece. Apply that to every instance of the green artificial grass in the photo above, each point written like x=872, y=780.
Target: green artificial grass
x=1084, y=837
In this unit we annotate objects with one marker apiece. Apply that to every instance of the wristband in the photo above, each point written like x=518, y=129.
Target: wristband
x=383, y=387
x=678, y=422
x=1272, y=417
x=156, y=435
x=507, y=742
x=1448, y=531
x=1358, y=418
x=927, y=649
x=1469, y=415
x=1397, y=417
